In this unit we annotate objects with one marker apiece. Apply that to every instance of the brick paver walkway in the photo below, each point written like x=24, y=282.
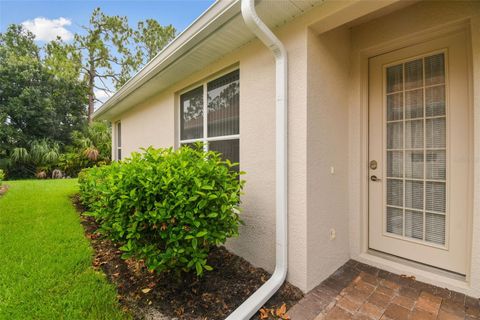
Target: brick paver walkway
x=359, y=291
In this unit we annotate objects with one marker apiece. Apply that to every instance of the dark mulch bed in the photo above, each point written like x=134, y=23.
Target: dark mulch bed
x=214, y=296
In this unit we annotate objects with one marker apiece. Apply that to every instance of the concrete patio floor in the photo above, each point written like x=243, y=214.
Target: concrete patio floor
x=360, y=291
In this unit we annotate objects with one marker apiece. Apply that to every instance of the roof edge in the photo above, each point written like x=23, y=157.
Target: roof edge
x=217, y=14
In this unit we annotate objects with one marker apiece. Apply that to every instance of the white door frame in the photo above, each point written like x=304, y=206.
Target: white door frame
x=469, y=284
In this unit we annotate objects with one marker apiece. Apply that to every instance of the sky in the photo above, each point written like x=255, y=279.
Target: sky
x=47, y=19
x=59, y=15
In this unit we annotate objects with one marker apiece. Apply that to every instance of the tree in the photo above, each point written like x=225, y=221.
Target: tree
x=63, y=60
x=106, y=57
x=111, y=51
x=34, y=103
x=151, y=37
x=18, y=44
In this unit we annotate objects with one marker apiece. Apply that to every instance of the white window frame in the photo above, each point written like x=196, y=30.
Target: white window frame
x=204, y=139
x=117, y=146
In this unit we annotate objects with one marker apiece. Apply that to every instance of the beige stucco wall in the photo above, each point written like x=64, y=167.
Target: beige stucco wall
x=149, y=124
x=326, y=130
x=154, y=122
x=327, y=152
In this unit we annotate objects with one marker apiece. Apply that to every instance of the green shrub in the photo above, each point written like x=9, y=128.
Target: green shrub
x=164, y=206
x=2, y=176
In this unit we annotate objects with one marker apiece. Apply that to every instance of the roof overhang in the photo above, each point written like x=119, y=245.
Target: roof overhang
x=218, y=31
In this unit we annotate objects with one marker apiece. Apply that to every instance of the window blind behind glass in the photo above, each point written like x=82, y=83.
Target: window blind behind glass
x=223, y=97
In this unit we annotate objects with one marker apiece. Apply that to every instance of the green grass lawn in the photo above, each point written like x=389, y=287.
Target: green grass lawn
x=45, y=260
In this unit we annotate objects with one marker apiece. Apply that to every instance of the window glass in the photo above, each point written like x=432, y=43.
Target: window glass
x=219, y=114
x=192, y=114
x=119, y=135
x=223, y=105
x=119, y=141
x=230, y=149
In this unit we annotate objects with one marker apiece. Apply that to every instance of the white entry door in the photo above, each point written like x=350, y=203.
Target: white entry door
x=419, y=153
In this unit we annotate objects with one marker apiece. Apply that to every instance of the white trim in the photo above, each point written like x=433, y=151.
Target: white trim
x=219, y=138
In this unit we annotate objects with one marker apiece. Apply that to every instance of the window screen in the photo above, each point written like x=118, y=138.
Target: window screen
x=192, y=114
x=223, y=105
x=216, y=121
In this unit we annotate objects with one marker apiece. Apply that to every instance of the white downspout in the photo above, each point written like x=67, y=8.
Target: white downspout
x=259, y=297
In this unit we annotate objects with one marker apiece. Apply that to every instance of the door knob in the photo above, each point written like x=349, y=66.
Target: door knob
x=374, y=178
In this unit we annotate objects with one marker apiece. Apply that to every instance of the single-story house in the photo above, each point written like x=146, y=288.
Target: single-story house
x=382, y=128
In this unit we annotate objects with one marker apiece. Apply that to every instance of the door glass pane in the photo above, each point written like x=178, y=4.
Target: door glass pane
x=435, y=101
x=435, y=69
x=395, y=220
x=414, y=104
x=395, y=192
x=191, y=119
x=395, y=164
x=436, y=133
x=223, y=105
x=395, y=135
x=395, y=106
x=413, y=74
x=414, y=224
x=395, y=78
x=414, y=164
x=416, y=193
x=435, y=228
x=435, y=196
x=414, y=134
x=436, y=164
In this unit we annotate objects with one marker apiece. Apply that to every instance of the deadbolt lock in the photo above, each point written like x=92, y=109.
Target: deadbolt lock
x=373, y=164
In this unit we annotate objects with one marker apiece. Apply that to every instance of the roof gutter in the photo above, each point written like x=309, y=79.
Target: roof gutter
x=248, y=308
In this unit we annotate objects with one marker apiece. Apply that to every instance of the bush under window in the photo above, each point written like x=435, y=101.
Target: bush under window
x=167, y=207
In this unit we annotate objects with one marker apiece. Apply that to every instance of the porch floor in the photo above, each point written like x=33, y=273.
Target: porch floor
x=360, y=291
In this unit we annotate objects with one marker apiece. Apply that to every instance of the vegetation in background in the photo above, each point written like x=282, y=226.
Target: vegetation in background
x=41, y=157
x=166, y=207
x=151, y=37
x=46, y=262
x=111, y=51
x=104, y=54
x=34, y=104
x=47, y=94
x=2, y=177
x=88, y=148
